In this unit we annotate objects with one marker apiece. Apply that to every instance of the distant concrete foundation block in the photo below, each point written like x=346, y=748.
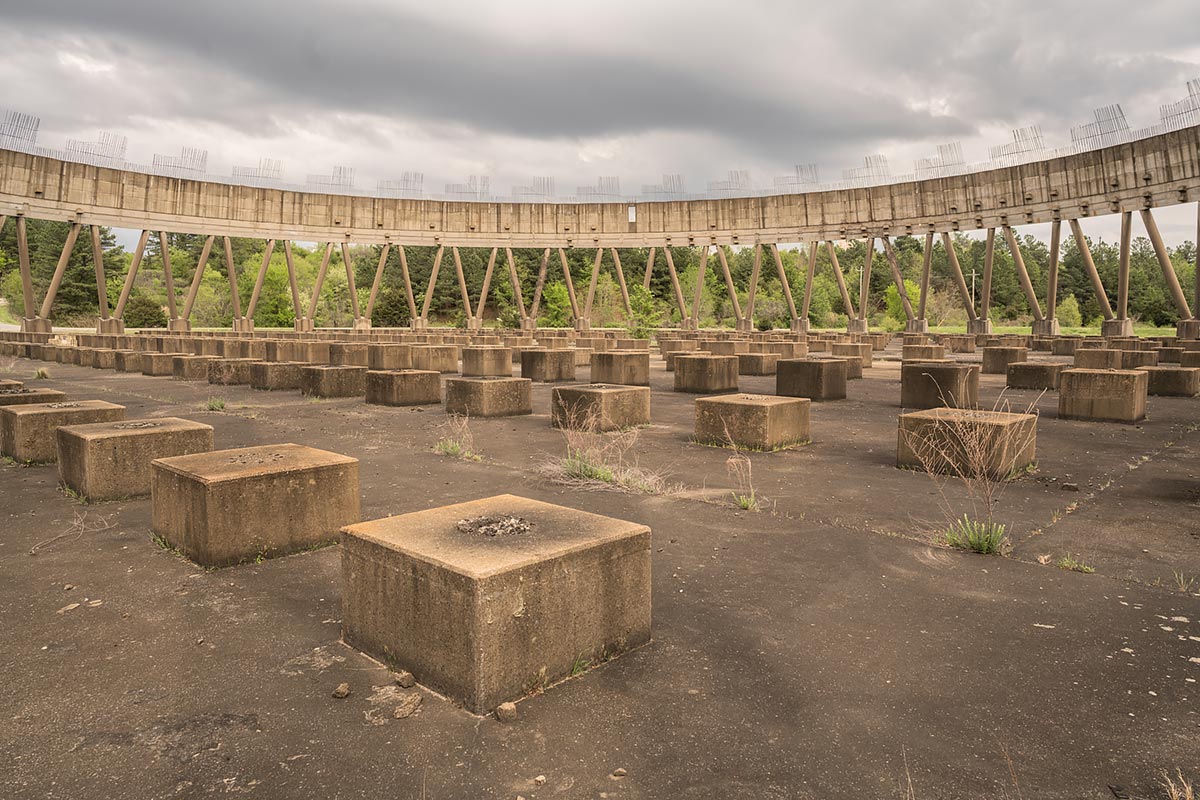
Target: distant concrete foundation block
x=816, y=379
x=959, y=344
x=318, y=381
x=23, y=395
x=623, y=367
x=159, y=364
x=1034, y=375
x=228, y=506
x=436, y=357
x=922, y=352
x=111, y=460
x=28, y=432
x=1045, y=327
x=230, y=371
x=348, y=354
x=756, y=422
x=127, y=360
x=545, y=366
x=1122, y=328
x=757, y=363
x=997, y=359
x=934, y=385
x=486, y=618
x=1103, y=395
x=487, y=361
x=104, y=359
x=706, y=374
x=275, y=376
x=859, y=350
x=600, y=407
x=191, y=368
x=967, y=441
x=1133, y=359
x=489, y=396
x=1172, y=381
x=1097, y=358
x=389, y=356
x=405, y=387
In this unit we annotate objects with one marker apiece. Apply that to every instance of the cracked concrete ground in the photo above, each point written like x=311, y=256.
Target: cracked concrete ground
x=821, y=648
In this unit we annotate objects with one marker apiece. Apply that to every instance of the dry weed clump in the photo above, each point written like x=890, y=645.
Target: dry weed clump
x=598, y=460
x=458, y=440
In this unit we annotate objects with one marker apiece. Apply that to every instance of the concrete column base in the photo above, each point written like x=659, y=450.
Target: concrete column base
x=857, y=326
x=302, y=325
x=36, y=325
x=978, y=326
x=1116, y=327
x=1188, y=329
x=799, y=326
x=582, y=326
x=243, y=325
x=362, y=324
x=1045, y=327
x=529, y=324
x=917, y=326
x=418, y=324
x=111, y=326
x=179, y=326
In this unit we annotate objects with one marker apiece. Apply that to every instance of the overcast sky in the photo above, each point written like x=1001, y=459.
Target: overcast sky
x=573, y=91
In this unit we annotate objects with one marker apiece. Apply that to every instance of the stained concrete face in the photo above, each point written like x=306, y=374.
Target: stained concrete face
x=1034, y=375
x=484, y=615
x=23, y=395
x=625, y=367
x=27, y=432
x=706, y=374
x=230, y=371
x=489, y=361
x=967, y=442
x=757, y=363
x=546, y=366
x=1173, y=381
x=389, y=356
x=489, y=397
x=997, y=359
x=756, y=422
x=1103, y=395
x=600, y=407
x=111, y=460
x=815, y=379
x=408, y=387
x=436, y=357
x=326, y=382
x=935, y=385
x=275, y=376
x=229, y=506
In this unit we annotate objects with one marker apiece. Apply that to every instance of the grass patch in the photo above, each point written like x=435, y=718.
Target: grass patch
x=214, y=404
x=978, y=536
x=72, y=495
x=41, y=374
x=1073, y=564
x=1177, y=788
x=458, y=441
x=595, y=459
x=1184, y=582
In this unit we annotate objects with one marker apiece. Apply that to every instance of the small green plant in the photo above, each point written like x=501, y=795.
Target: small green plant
x=215, y=404
x=578, y=464
x=459, y=441
x=580, y=666
x=162, y=543
x=1184, y=582
x=1074, y=565
x=976, y=535
x=72, y=495
x=41, y=374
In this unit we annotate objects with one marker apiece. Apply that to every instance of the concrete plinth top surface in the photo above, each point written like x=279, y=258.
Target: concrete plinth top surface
x=134, y=427
x=969, y=415
x=445, y=536
x=750, y=399
x=247, y=462
x=31, y=409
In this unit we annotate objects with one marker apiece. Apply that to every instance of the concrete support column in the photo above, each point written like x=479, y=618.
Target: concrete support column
x=695, y=317
x=1090, y=267
x=926, y=265
x=1123, y=269
x=898, y=280
x=1014, y=249
x=422, y=322
x=531, y=321
x=684, y=317
x=841, y=282
x=1168, y=269
x=378, y=281
x=729, y=287
x=974, y=324
x=989, y=261
x=753, y=290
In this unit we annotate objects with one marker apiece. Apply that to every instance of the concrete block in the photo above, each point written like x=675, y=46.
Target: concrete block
x=1189, y=358
x=1132, y=359
x=757, y=363
x=603, y=407
x=104, y=359
x=127, y=360
x=544, y=365
x=1064, y=346
x=487, y=361
x=436, y=357
x=934, y=385
x=484, y=618
x=622, y=367
x=489, y=396
x=854, y=367
x=967, y=441
x=1034, y=375
x=319, y=381
x=1103, y=395
x=191, y=368
x=757, y=422
x=859, y=350
x=23, y=395
x=111, y=460
x=405, y=387
x=159, y=364
x=1172, y=381
x=1097, y=358
x=230, y=371
x=997, y=359
x=348, y=354
x=27, y=432
x=922, y=352
x=389, y=356
x=816, y=379
x=274, y=376
x=228, y=506
x=706, y=374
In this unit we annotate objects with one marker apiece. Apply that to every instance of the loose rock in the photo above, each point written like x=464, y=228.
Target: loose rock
x=405, y=679
x=506, y=712
x=342, y=691
x=619, y=772
x=1070, y=487
x=409, y=704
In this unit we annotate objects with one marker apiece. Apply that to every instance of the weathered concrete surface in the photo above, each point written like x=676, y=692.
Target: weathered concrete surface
x=404, y=387
x=488, y=397
x=753, y=421
x=485, y=619
x=600, y=407
x=745, y=690
x=27, y=431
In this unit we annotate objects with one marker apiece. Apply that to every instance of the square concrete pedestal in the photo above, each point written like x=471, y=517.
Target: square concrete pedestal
x=23, y=395
x=936, y=385
x=389, y=356
x=997, y=359
x=623, y=367
x=1097, y=358
x=600, y=407
x=752, y=421
x=111, y=460
x=488, y=600
x=275, y=376
x=228, y=506
x=27, y=432
x=546, y=366
x=1034, y=375
x=922, y=352
x=230, y=371
x=1103, y=395
x=128, y=360
x=159, y=364
x=757, y=363
x=436, y=357
x=860, y=350
x=333, y=381
x=191, y=368
x=404, y=387
x=1172, y=381
x=489, y=397
x=967, y=442
x=706, y=374
x=816, y=379
x=487, y=361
